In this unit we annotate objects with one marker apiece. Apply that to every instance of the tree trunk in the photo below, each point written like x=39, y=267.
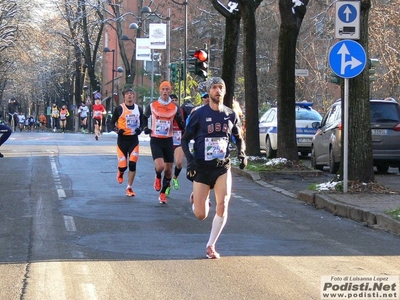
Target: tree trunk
x=360, y=160
x=230, y=56
x=289, y=30
x=250, y=77
x=231, y=43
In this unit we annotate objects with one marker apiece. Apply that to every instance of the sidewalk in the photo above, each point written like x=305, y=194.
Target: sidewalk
x=362, y=207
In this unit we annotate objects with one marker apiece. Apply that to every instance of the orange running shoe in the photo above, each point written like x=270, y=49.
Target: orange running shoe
x=130, y=192
x=120, y=177
x=162, y=198
x=157, y=184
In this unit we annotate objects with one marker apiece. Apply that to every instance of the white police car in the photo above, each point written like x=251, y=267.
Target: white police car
x=305, y=117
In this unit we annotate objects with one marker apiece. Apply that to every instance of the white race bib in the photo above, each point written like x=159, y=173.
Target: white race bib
x=177, y=137
x=162, y=127
x=215, y=148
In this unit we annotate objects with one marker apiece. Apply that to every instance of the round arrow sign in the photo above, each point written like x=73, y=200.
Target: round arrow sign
x=347, y=58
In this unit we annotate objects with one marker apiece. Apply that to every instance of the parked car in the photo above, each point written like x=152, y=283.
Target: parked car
x=326, y=147
x=268, y=128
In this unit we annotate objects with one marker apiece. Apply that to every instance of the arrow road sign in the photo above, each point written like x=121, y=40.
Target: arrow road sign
x=347, y=58
x=347, y=22
x=347, y=13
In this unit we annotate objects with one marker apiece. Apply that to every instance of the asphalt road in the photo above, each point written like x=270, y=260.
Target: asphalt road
x=67, y=231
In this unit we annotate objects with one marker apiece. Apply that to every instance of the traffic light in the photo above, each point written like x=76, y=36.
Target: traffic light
x=198, y=62
x=202, y=63
x=372, y=63
x=174, y=71
x=191, y=61
x=335, y=79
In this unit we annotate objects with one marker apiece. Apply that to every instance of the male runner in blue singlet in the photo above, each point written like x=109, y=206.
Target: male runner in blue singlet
x=212, y=126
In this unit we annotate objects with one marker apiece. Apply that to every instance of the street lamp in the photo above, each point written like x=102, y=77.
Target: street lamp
x=118, y=70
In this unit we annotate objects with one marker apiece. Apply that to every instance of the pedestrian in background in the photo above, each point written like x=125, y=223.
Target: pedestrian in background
x=31, y=123
x=13, y=107
x=83, y=111
x=55, y=115
x=163, y=111
x=211, y=126
x=128, y=118
x=42, y=121
x=98, y=113
x=64, y=113
x=21, y=121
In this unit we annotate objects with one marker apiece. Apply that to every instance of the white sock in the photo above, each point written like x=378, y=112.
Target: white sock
x=129, y=186
x=216, y=229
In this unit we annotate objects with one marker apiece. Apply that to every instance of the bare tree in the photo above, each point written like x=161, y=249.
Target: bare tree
x=292, y=15
x=85, y=24
x=231, y=41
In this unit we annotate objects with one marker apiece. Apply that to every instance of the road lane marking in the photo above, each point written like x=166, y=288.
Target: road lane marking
x=69, y=223
x=89, y=291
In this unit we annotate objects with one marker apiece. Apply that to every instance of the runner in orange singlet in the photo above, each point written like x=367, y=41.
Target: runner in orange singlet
x=163, y=112
x=128, y=118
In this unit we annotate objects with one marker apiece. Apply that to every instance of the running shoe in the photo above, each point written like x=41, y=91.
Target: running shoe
x=120, y=177
x=168, y=191
x=157, y=184
x=211, y=253
x=162, y=198
x=175, y=183
x=1, y=155
x=96, y=137
x=130, y=192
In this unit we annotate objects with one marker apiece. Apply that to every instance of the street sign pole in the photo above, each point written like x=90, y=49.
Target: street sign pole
x=347, y=59
x=346, y=135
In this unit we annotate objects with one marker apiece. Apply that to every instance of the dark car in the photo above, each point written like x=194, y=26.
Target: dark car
x=326, y=146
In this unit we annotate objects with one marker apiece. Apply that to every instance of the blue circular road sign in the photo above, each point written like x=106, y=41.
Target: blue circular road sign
x=347, y=58
x=347, y=13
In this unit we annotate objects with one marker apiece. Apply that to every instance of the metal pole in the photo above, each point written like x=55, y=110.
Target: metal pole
x=185, y=51
x=345, y=134
x=169, y=43
x=152, y=74
x=112, y=81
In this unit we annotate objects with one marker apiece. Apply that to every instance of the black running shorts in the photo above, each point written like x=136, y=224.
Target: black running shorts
x=162, y=148
x=208, y=174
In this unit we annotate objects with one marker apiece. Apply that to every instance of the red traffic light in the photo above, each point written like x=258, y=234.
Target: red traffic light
x=201, y=55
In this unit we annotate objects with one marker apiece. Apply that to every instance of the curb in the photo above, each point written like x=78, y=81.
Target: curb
x=323, y=201
x=372, y=219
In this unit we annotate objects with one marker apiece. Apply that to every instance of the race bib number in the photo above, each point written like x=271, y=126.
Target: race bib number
x=132, y=121
x=97, y=113
x=215, y=148
x=177, y=137
x=162, y=127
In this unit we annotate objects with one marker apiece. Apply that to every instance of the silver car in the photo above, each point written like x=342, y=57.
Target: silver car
x=326, y=148
x=305, y=117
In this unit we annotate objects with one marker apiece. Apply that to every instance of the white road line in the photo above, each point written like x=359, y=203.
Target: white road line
x=89, y=291
x=61, y=193
x=69, y=223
